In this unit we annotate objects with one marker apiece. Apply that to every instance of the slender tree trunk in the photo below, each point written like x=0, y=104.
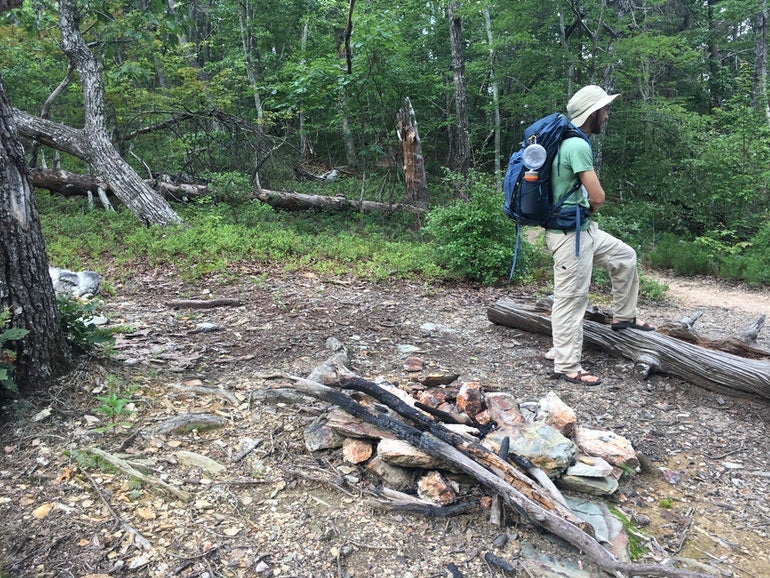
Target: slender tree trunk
x=26, y=290
x=461, y=159
x=713, y=56
x=760, y=61
x=304, y=147
x=144, y=203
x=495, y=99
x=414, y=167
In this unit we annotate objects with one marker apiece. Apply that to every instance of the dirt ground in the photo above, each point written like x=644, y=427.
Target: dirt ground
x=281, y=510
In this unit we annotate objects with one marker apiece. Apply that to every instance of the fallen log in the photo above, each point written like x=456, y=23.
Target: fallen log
x=489, y=476
x=69, y=184
x=204, y=303
x=739, y=343
x=650, y=351
x=292, y=201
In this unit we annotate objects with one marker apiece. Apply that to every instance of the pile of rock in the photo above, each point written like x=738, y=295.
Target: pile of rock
x=544, y=434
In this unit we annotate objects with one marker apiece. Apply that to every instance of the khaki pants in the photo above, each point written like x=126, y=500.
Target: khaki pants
x=571, y=280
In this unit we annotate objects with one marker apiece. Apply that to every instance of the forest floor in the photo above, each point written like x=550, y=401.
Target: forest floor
x=284, y=511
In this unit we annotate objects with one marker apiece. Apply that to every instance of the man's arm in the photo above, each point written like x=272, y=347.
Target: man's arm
x=590, y=181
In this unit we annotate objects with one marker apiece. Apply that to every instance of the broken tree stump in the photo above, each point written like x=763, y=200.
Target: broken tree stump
x=650, y=351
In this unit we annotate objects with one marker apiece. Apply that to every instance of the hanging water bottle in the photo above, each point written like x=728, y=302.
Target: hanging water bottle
x=533, y=157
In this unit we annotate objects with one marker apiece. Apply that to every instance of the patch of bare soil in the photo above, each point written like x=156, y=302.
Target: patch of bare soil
x=280, y=510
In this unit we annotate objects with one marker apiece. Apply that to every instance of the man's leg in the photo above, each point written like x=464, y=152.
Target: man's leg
x=572, y=278
x=620, y=261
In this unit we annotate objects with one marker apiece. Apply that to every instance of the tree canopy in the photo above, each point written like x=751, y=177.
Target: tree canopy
x=259, y=88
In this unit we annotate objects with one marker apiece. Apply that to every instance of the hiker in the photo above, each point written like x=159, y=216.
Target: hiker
x=588, y=110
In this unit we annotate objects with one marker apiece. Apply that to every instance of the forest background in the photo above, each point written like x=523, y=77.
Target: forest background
x=253, y=94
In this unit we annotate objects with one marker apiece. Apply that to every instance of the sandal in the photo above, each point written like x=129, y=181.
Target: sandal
x=580, y=377
x=632, y=325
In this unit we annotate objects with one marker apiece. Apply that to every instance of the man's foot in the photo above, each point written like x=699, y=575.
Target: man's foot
x=580, y=377
x=632, y=324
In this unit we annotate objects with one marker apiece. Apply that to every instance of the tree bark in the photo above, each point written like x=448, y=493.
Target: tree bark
x=91, y=143
x=495, y=98
x=461, y=161
x=299, y=202
x=73, y=184
x=26, y=289
x=715, y=371
x=414, y=164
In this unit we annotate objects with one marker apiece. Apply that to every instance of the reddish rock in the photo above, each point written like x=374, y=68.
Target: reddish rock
x=503, y=408
x=554, y=412
x=434, y=487
x=413, y=363
x=470, y=398
x=356, y=451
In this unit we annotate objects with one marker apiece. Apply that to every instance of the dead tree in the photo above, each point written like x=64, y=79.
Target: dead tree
x=292, y=201
x=414, y=165
x=91, y=143
x=26, y=289
x=715, y=371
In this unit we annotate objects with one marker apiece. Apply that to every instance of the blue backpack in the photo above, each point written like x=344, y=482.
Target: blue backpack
x=528, y=196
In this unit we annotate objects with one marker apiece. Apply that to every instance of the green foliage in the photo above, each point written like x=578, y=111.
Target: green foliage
x=682, y=256
x=636, y=539
x=116, y=405
x=473, y=239
x=81, y=334
x=217, y=237
x=8, y=356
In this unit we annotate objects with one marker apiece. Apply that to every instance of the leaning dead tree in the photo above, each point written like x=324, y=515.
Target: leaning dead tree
x=717, y=371
x=464, y=453
x=91, y=143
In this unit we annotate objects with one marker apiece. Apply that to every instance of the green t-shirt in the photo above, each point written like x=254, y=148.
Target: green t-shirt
x=575, y=156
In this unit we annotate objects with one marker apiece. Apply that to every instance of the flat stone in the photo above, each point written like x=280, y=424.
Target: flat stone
x=610, y=446
x=197, y=460
x=399, y=453
x=592, y=486
x=542, y=444
x=590, y=467
x=319, y=436
x=393, y=477
x=608, y=529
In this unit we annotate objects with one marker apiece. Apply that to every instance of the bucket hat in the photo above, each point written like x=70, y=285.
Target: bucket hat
x=587, y=100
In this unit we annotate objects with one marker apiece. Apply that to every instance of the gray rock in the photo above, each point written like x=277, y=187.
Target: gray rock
x=590, y=467
x=81, y=284
x=593, y=486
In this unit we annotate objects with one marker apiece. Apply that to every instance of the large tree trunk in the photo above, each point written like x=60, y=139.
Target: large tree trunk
x=414, y=165
x=651, y=351
x=461, y=158
x=92, y=143
x=26, y=290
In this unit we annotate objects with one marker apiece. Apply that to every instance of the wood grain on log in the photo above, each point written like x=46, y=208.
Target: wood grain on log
x=715, y=371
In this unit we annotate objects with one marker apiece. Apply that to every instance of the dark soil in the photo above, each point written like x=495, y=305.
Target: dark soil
x=282, y=511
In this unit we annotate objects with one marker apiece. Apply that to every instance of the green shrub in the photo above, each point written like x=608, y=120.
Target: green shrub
x=8, y=356
x=473, y=239
x=683, y=257
x=81, y=336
